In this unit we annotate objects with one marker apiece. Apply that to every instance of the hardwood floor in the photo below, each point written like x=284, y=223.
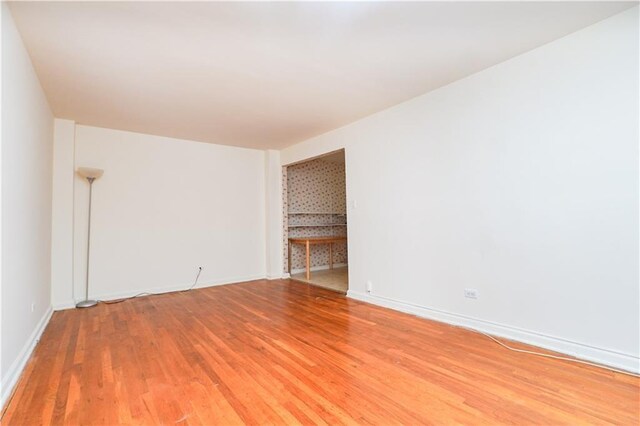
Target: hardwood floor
x=282, y=352
x=336, y=279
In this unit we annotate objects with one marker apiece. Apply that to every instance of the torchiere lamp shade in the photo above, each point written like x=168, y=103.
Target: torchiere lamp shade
x=90, y=173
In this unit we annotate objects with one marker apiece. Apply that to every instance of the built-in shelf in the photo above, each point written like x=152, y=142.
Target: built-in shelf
x=318, y=226
x=336, y=213
x=322, y=220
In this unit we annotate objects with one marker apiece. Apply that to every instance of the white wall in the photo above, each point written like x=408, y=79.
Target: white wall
x=520, y=181
x=62, y=212
x=27, y=130
x=163, y=208
x=273, y=199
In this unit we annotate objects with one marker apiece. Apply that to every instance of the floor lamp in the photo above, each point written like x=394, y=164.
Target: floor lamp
x=90, y=175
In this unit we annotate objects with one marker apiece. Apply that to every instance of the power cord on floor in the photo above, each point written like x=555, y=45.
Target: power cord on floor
x=504, y=345
x=562, y=358
x=113, y=302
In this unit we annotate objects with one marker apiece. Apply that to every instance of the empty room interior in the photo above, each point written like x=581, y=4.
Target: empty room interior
x=220, y=213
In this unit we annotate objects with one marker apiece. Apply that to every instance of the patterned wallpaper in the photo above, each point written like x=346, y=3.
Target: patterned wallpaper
x=310, y=190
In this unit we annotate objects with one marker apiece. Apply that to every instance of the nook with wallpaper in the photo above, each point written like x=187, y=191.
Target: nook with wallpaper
x=314, y=207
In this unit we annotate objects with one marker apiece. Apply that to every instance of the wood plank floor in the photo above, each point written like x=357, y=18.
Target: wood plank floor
x=282, y=352
x=336, y=279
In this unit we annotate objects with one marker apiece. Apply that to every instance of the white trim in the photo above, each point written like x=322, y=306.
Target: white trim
x=17, y=367
x=274, y=277
x=160, y=290
x=69, y=304
x=317, y=268
x=602, y=356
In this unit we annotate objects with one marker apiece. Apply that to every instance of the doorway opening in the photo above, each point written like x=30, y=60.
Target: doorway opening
x=315, y=221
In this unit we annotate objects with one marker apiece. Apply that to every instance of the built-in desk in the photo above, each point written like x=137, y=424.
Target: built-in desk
x=308, y=242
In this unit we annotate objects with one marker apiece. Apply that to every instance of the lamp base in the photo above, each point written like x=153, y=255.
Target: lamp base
x=86, y=304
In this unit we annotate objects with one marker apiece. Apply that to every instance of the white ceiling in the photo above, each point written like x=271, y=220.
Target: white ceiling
x=267, y=75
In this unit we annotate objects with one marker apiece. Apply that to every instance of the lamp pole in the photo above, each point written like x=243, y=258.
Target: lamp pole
x=91, y=175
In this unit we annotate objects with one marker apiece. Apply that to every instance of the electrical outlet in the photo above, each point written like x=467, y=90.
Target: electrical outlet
x=471, y=293
x=369, y=286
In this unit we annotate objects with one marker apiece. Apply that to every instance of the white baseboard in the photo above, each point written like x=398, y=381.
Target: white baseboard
x=10, y=381
x=590, y=353
x=160, y=290
x=318, y=268
x=274, y=277
x=70, y=304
